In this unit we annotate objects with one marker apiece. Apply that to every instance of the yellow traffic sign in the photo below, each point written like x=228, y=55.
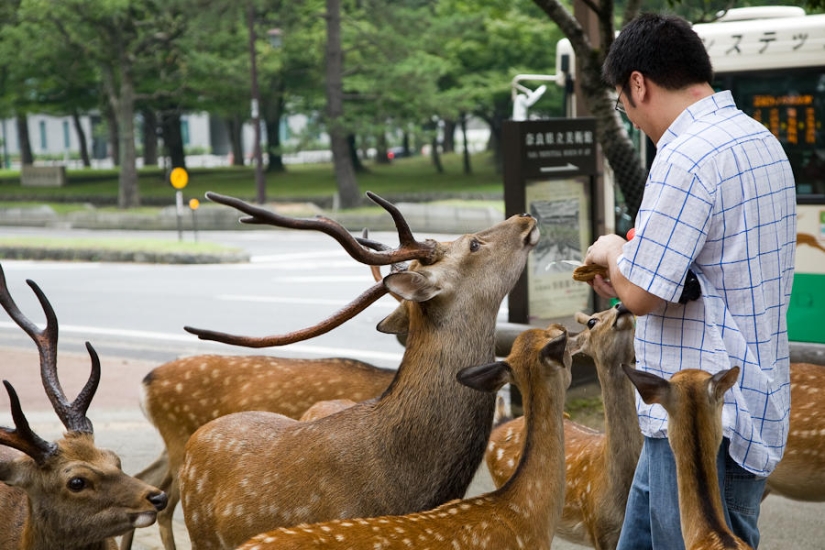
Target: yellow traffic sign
x=194, y=203
x=179, y=178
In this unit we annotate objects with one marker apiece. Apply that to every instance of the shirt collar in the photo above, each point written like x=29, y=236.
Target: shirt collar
x=702, y=108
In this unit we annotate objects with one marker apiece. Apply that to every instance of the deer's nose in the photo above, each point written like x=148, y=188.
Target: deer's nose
x=159, y=500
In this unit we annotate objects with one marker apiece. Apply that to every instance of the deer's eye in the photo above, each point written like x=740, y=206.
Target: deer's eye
x=474, y=245
x=76, y=484
x=591, y=322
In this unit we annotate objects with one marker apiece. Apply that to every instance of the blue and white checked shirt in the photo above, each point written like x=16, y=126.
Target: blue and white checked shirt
x=720, y=200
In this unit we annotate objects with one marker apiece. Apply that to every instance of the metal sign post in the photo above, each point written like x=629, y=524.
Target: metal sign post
x=179, y=178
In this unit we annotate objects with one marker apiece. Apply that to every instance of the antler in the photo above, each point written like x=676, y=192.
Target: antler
x=72, y=414
x=348, y=312
x=426, y=252
x=23, y=438
x=361, y=249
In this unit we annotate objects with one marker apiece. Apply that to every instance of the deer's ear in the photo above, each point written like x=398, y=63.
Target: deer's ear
x=14, y=472
x=581, y=317
x=575, y=343
x=554, y=349
x=722, y=381
x=652, y=388
x=412, y=286
x=487, y=378
x=397, y=322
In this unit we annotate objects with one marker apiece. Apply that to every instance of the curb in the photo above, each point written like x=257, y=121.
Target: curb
x=123, y=256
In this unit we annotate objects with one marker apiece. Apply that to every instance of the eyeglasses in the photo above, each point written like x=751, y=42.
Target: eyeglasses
x=619, y=106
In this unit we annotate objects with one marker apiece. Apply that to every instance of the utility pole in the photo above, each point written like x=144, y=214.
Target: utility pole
x=260, y=182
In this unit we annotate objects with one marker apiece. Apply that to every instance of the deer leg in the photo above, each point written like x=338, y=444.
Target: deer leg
x=166, y=516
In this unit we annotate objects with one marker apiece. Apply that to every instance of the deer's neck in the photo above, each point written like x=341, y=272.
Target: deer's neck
x=428, y=410
x=535, y=491
x=700, y=503
x=622, y=437
x=39, y=538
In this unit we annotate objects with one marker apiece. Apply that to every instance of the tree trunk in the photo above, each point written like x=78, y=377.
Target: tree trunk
x=467, y=168
x=129, y=191
x=353, y=153
x=81, y=139
x=26, y=156
x=114, y=134
x=234, y=127
x=273, y=146
x=173, y=138
x=448, y=144
x=273, y=108
x=348, y=193
x=381, y=149
x=435, y=155
x=150, y=137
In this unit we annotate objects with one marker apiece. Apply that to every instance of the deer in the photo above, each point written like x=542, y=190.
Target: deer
x=178, y=397
x=520, y=514
x=68, y=493
x=800, y=475
x=417, y=446
x=182, y=395
x=600, y=465
x=693, y=400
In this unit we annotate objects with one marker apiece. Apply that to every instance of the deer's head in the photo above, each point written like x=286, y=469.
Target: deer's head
x=77, y=493
x=607, y=336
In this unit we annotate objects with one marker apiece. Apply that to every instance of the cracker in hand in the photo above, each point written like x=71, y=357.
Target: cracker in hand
x=588, y=272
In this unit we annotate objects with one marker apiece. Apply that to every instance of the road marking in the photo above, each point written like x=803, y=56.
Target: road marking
x=323, y=351
x=382, y=302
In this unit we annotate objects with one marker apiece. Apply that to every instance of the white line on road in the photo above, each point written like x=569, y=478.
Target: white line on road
x=188, y=338
x=384, y=302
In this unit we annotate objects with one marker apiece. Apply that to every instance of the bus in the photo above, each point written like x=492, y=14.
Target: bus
x=772, y=59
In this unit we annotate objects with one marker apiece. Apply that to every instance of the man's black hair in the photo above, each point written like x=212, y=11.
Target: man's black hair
x=664, y=48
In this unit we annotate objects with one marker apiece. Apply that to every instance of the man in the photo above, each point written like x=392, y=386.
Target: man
x=719, y=202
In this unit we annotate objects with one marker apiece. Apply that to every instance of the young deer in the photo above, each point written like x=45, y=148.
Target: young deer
x=414, y=448
x=180, y=396
x=521, y=514
x=693, y=400
x=800, y=475
x=600, y=465
x=66, y=494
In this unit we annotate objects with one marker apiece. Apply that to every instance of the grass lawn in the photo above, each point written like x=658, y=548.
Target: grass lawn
x=406, y=176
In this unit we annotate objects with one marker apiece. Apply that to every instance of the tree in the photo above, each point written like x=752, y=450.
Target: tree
x=122, y=38
x=590, y=53
x=348, y=192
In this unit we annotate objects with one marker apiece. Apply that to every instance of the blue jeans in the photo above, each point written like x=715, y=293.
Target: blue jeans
x=652, y=515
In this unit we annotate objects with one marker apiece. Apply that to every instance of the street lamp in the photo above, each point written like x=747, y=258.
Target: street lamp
x=260, y=182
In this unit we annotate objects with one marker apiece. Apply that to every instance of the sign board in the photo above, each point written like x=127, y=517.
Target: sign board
x=178, y=178
x=557, y=148
x=549, y=172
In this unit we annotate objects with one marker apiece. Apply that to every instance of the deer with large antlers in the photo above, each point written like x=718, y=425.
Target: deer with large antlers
x=693, y=400
x=521, y=514
x=180, y=396
x=600, y=465
x=66, y=494
x=414, y=448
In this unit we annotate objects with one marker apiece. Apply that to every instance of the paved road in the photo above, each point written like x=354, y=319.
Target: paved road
x=85, y=293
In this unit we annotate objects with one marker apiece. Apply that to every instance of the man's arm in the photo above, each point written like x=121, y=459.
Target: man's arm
x=606, y=251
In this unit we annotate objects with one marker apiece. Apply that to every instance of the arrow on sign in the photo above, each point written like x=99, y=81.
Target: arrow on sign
x=565, y=168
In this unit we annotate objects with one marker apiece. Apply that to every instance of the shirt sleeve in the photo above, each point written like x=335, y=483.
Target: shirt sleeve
x=671, y=228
